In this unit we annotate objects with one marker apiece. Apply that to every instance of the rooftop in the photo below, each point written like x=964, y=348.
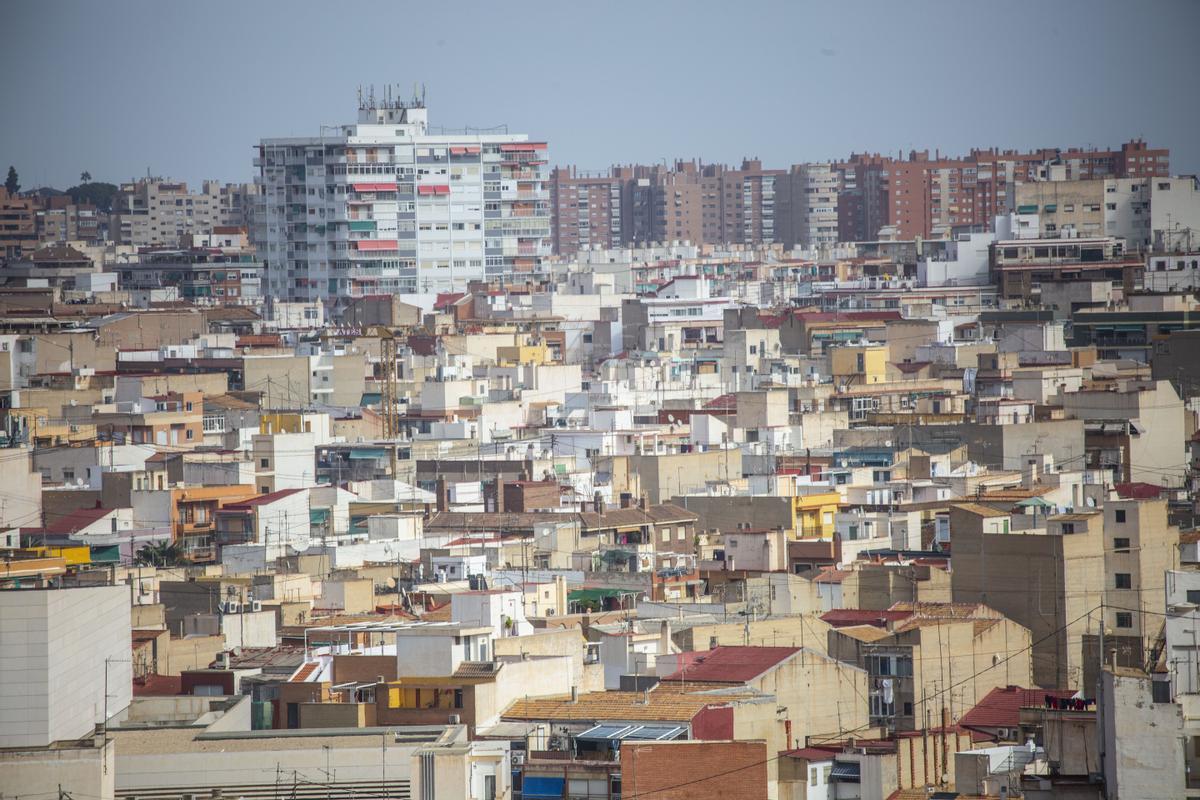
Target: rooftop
x=730, y=664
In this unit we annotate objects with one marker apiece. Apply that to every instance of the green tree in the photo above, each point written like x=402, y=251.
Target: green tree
x=99, y=194
x=85, y=177
x=12, y=182
x=159, y=554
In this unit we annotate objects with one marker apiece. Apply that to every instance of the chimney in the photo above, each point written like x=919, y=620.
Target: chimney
x=664, y=637
x=574, y=694
x=626, y=499
x=598, y=502
x=644, y=501
x=499, y=484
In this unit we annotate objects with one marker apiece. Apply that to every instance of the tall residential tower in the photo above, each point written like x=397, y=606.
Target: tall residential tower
x=385, y=206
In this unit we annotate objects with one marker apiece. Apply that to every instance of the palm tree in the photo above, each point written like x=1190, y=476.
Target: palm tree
x=85, y=177
x=159, y=554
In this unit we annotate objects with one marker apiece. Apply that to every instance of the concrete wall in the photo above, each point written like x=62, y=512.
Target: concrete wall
x=1143, y=754
x=666, y=475
x=56, y=646
x=84, y=771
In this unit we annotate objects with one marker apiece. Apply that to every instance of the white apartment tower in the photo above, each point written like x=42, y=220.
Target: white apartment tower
x=386, y=205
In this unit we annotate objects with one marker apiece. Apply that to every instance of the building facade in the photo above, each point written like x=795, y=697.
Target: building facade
x=386, y=205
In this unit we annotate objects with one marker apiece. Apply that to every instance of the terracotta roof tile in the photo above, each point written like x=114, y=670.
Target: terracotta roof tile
x=730, y=664
x=1001, y=708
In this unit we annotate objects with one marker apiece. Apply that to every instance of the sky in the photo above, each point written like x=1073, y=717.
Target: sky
x=186, y=89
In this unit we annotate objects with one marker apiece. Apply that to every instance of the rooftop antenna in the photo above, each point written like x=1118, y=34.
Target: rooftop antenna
x=360, y=102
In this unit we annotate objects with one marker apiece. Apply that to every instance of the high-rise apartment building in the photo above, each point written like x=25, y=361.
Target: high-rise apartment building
x=931, y=197
x=587, y=210
x=385, y=205
x=807, y=205
x=156, y=212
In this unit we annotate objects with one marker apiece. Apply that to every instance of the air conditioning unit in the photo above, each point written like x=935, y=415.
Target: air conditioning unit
x=517, y=758
x=453, y=719
x=256, y=605
x=231, y=607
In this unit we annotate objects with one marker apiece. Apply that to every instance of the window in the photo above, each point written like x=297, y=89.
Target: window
x=1124, y=619
x=1124, y=580
x=666, y=534
x=1119, y=515
x=1193, y=596
x=1121, y=544
x=264, y=462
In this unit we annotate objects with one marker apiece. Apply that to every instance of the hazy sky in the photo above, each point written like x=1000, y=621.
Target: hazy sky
x=185, y=89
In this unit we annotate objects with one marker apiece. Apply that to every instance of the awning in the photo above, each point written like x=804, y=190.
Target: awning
x=580, y=595
x=522, y=147
x=1027, y=209
x=542, y=786
x=845, y=771
x=374, y=187
x=644, y=733
x=376, y=244
x=433, y=189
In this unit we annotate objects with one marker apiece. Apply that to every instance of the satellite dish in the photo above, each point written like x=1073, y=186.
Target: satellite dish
x=671, y=418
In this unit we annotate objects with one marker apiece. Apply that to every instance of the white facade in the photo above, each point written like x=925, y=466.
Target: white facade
x=385, y=206
x=1175, y=213
x=56, y=647
x=502, y=611
x=1173, y=272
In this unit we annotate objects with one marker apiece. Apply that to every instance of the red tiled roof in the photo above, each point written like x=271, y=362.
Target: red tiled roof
x=725, y=402
x=1001, y=708
x=1139, y=491
x=76, y=521
x=304, y=672
x=157, y=686
x=261, y=500
x=730, y=664
x=841, y=617
x=831, y=575
x=447, y=299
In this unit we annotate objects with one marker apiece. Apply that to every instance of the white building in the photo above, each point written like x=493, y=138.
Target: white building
x=62, y=649
x=384, y=206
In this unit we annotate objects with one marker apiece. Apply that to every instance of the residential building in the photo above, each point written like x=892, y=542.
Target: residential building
x=159, y=212
x=386, y=205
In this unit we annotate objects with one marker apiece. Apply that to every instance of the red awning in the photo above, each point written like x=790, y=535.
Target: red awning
x=376, y=244
x=433, y=189
x=374, y=187
x=523, y=147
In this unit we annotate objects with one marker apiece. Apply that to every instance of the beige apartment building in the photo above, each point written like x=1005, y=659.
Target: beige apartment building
x=154, y=211
x=1049, y=579
x=945, y=657
x=1140, y=547
x=1134, y=428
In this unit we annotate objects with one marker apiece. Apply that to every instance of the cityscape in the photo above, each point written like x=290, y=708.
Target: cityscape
x=394, y=456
